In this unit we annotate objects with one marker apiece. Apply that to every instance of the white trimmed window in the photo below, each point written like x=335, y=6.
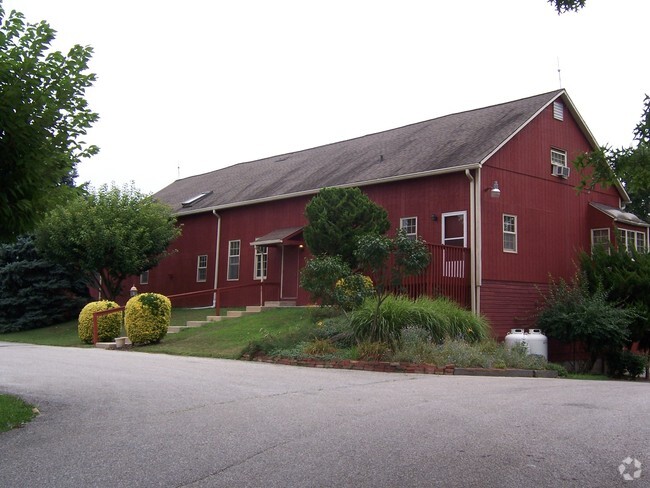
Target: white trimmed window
x=509, y=233
x=559, y=165
x=454, y=229
x=558, y=110
x=234, y=251
x=410, y=226
x=144, y=278
x=632, y=239
x=558, y=157
x=600, y=238
x=202, y=268
x=261, y=262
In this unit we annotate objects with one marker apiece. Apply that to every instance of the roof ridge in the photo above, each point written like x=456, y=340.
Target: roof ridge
x=291, y=153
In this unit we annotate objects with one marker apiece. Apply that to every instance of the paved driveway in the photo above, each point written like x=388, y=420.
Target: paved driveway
x=127, y=419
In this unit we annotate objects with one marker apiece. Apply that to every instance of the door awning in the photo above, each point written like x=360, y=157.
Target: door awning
x=284, y=237
x=619, y=215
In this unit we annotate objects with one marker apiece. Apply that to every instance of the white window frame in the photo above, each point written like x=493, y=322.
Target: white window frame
x=558, y=153
x=558, y=110
x=144, y=278
x=507, y=232
x=631, y=240
x=599, y=242
x=407, y=223
x=446, y=215
x=234, y=260
x=261, y=262
x=202, y=268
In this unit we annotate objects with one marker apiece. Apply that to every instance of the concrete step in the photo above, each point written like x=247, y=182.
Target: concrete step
x=280, y=303
x=216, y=318
x=175, y=329
x=105, y=345
x=237, y=313
x=196, y=323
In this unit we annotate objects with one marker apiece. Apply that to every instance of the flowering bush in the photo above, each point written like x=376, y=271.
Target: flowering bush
x=108, y=326
x=147, y=317
x=351, y=291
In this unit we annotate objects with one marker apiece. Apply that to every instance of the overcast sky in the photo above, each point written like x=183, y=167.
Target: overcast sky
x=206, y=84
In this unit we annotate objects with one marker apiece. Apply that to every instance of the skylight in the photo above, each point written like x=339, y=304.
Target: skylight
x=197, y=198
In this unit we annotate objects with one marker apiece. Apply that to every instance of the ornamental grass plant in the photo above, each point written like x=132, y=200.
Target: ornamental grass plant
x=440, y=317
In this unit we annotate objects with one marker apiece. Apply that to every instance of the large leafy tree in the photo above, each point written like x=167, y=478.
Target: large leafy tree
x=337, y=218
x=35, y=292
x=43, y=117
x=630, y=164
x=108, y=235
x=567, y=5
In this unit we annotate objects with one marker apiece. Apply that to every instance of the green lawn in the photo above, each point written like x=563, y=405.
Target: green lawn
x=225, y=339
x=64, y=334
x=14, y=412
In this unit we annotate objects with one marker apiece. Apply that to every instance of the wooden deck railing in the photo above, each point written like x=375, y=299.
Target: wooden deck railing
x=448, y=274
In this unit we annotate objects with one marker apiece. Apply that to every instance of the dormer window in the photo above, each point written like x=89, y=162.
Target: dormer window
x=558, y=111
x=191, y=201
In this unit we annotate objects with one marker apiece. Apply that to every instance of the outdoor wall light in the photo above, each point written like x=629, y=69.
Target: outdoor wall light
x=434, y=217
x=494, y=191
x=133, y=291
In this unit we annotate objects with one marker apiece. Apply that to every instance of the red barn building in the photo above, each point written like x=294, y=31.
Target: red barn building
x=491, y=190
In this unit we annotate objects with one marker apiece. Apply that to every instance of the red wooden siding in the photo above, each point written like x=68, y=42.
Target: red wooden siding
x=448, y=275
x=553, y=222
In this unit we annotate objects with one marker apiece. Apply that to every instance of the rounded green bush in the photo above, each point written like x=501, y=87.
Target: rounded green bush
x=147, y=317
x=108, y=326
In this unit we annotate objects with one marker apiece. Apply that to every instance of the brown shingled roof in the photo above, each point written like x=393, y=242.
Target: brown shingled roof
x=452, y=142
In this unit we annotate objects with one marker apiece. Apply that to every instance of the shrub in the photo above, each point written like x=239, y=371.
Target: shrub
x=319, y=347
x=440, y=317
x=320, y=275
x=572, y=313
x=625, y=364
x=108, y=326
x=147, y=317
x=372, y=351
x=351, y=291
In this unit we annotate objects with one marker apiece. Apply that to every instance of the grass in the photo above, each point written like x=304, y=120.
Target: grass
x=228, y=338
x=14, y=412
x=66, y=334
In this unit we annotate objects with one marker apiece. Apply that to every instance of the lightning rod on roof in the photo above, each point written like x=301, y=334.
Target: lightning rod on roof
x=559, y=73
x=179, y=171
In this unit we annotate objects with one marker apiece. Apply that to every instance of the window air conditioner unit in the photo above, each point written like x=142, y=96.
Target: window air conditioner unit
x=563, y=171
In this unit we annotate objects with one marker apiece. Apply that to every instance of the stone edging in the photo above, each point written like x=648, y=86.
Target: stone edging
x=402, y=367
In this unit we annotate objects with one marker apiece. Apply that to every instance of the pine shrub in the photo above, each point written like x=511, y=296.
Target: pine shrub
x=147, y=318
x=108, y=326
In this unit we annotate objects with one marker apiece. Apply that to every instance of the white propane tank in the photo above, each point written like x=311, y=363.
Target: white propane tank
x=537, y=343
x=516, y=336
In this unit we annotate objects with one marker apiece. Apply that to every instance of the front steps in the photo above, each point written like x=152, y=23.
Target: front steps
x=230, y=314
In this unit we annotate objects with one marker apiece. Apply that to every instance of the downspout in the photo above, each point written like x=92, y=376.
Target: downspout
x=472, y=254
x=478, y=242
x=216, y=258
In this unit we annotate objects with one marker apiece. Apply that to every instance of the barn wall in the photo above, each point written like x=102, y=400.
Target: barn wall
x=553, y=220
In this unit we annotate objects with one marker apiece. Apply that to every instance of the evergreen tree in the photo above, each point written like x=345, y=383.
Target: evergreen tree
x=35, y=292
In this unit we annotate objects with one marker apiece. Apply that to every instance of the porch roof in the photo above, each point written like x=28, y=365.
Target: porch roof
x=277, y=236
x=619, y=215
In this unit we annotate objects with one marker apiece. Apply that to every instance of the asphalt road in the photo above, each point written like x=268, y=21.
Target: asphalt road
x=128, y=419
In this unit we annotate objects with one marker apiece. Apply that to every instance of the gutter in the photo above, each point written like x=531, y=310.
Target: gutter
x=314, y=191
